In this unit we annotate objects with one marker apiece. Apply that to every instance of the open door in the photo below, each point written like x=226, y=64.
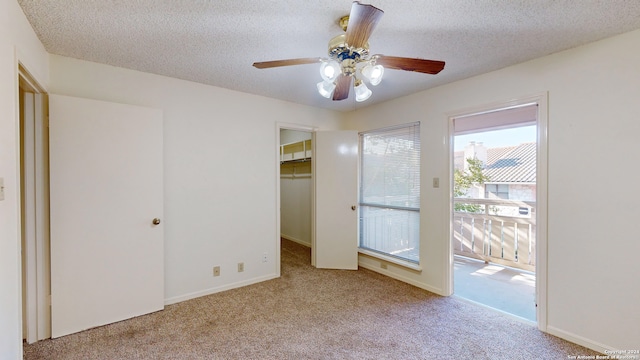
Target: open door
x=496, y=202
x=335, y=226
x=107, y=257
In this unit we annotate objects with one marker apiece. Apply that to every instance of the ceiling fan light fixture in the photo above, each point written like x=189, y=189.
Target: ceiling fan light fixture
x=373, y=73
x=349, y=61
x=330, y=70
x=361, y=90
x=325, y=88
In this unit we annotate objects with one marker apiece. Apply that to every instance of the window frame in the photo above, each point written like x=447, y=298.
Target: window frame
x=385, y=256
x=496, y=194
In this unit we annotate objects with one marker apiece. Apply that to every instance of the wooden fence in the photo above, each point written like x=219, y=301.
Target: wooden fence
x=496, y=230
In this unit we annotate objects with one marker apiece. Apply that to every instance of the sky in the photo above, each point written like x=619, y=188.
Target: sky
x=498, y=138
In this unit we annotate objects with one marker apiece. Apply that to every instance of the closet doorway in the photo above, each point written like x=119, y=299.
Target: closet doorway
x=296, y=185
x=316, y=198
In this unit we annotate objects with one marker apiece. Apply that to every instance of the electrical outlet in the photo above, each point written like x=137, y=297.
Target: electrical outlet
x=265, y=258
x=383, y=265
x=1, y=188
x=240, y=267
x=216, y=271
x=436, y=182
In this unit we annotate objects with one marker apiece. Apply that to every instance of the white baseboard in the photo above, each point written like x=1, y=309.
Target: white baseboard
x=197, y=294
x=407, y=280
x=577, y=339
x=291, y=238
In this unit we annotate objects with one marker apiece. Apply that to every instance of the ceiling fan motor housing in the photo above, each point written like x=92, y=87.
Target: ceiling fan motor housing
x=346, y=55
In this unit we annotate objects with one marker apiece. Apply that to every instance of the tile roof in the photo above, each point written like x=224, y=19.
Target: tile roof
x=512, y=164
x=516, y=164
x=495, y=154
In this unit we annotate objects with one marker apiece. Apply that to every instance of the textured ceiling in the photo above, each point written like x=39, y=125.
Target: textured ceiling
x=215, y=42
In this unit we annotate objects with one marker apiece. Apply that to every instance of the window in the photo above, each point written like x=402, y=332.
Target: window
x=496, y=191
x=390, y=191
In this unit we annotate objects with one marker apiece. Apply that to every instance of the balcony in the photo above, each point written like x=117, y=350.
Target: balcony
x=499, y=287
x=496, y=231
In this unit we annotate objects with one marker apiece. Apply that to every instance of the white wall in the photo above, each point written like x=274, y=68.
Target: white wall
x=17, y=42
x=220, y=166
x=295, y=202
x=593, y=119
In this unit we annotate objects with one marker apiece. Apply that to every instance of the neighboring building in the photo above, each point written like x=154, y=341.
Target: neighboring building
x=511, y=170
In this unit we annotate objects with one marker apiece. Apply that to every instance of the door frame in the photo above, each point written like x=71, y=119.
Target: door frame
x=35, y=215
x=296, y=127
x=541, y=99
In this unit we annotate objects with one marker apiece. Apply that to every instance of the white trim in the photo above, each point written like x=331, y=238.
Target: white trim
x=447, y=272
x=577, y=339
x=28, y=236
x=407, y=280
x=297, y=127
x=43, y=267
x=30, y=80
x=542, y=163
x=197, y=294
x=36, y=257
x=541, y=99
x=390, y=259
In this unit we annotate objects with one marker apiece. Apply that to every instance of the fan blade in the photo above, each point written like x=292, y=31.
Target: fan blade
x=410, y=64
x=362, y=20
x=288, y=62
x=343, y=84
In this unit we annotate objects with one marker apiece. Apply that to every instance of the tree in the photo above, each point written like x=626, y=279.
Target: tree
x=464, y=179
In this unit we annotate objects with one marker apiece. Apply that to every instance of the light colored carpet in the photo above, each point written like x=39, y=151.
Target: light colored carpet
x=314, y=314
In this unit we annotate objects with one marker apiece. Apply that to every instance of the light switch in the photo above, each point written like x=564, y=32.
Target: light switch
x=436, y=182
x=1, y=188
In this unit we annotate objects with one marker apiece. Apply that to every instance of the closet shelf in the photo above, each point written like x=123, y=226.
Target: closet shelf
x=298, y=151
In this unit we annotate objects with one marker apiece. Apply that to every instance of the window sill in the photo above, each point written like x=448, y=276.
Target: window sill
x=391, y=259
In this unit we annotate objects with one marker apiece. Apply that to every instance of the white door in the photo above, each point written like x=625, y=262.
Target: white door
x=335, y=159
x=106, y=189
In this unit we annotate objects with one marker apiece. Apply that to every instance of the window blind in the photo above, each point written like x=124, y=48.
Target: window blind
x=390, y=191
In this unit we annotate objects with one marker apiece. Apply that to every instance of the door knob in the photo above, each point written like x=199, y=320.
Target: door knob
x=156, y=221
x=353, y=207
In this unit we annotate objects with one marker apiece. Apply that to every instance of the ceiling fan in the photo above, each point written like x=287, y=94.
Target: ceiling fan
x=349, y=56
